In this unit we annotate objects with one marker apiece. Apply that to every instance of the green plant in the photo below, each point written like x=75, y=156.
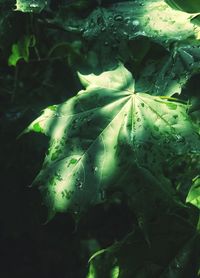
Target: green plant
x=131, y=135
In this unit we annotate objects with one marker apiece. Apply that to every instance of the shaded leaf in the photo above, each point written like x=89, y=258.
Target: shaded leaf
x=186, y=262
x=196, y=20
x=172, y=252
x=189, y=6
x=169, y=75
x=128, y=20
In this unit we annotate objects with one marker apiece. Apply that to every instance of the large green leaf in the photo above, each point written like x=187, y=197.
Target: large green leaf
x=103, y=130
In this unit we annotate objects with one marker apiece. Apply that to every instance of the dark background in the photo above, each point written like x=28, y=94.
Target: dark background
x=29, y=247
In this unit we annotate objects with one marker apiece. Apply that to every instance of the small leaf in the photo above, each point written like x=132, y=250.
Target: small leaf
x=20, y=50
x=193, y=196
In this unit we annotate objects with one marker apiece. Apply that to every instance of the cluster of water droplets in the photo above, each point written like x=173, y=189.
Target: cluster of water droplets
x=111, y=26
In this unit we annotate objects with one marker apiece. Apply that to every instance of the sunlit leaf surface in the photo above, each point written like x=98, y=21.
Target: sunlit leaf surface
x=107, y=126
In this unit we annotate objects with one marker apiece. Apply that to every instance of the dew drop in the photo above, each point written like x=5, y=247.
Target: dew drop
x=127, y=20
x=125, y=34
x=118, y=18
x=33, y=5
x=79, y=183
x=179, y=138
x=95, y=169
x=135, y=22
x=167, y=140
x=92, y=24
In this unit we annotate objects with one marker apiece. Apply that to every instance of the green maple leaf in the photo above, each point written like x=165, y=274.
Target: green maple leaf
x=103, y=130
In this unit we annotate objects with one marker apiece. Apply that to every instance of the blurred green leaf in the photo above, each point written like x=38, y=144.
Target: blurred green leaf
x=173, y=252
x=189, y=6
x=196, y=20
x=193, y=196
x=28, y=6
x=20, y=50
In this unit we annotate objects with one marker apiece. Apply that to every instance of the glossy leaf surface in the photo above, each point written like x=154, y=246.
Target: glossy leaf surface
x=133, y=19
x=105, y=126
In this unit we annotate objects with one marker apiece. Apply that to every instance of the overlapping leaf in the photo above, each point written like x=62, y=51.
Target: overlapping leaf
x=190, y=6
x=104, y=129
x=169, y=75
x=131, y=19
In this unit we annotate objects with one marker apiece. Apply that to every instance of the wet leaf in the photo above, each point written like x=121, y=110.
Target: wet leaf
x=101, y=131
x=170, y=75
x=129, y=20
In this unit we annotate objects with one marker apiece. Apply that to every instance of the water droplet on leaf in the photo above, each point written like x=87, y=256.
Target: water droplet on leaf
x=118, y=18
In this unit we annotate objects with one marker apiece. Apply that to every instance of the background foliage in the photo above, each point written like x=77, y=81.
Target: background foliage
x=138, y=232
